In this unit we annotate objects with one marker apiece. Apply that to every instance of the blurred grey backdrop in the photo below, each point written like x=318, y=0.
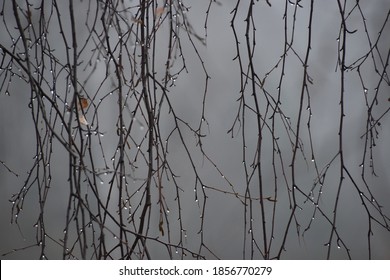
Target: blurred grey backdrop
x=223, y=224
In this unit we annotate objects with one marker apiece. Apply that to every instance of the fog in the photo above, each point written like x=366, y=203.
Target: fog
x=222, y=223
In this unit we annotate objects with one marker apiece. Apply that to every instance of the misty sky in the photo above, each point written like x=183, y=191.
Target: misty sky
x=223, y=228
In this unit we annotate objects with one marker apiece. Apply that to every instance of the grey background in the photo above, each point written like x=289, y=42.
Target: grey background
x=223, y=223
